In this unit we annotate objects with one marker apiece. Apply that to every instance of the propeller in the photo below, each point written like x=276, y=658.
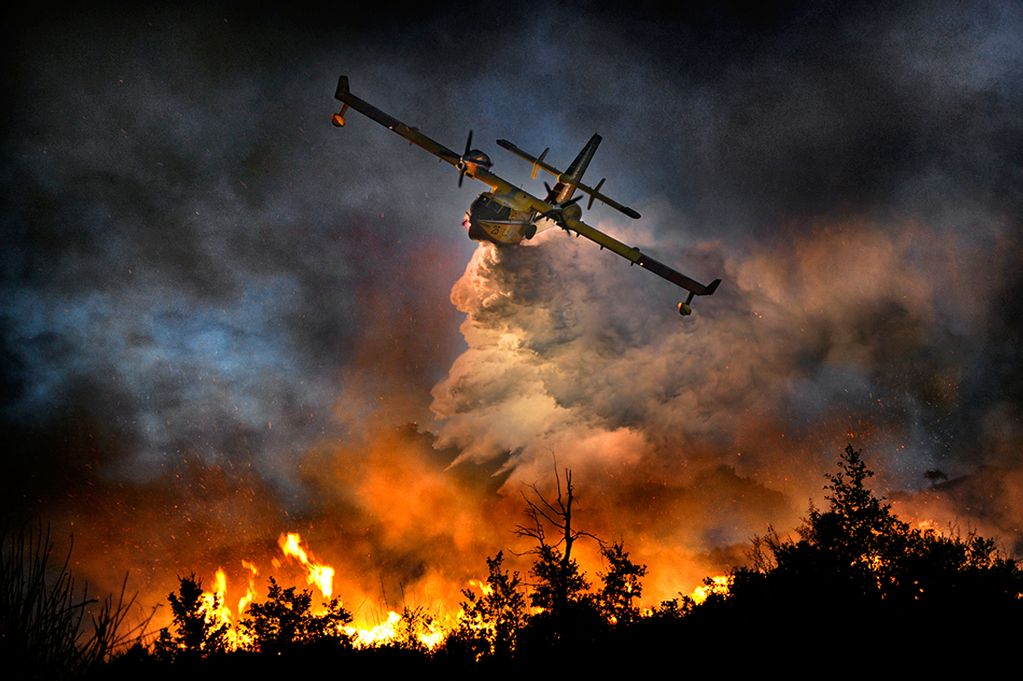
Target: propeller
x=557, y=210
x=461, y=160
x=550, y=192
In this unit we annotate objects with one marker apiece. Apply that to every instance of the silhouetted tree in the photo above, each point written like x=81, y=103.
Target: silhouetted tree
x=858, y=531
x=622, y=586
x=491, y=621
x=672, y=610
x=198, y=633
x=559, y=581
x=568, y=623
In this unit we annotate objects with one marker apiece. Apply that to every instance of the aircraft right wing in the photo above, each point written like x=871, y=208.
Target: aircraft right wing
x=634, y=256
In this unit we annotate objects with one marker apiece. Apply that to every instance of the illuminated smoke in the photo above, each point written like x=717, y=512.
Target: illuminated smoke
x=693, y=435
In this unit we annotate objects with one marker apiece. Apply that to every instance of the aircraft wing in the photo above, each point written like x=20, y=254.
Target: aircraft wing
x=412, y=134
x=393, y=124
x=634, y=256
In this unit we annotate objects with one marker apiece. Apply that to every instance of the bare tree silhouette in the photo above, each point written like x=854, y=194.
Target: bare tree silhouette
x=559, y=580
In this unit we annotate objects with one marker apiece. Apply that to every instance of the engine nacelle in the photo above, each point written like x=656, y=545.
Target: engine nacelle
x=477, y=158
x=685, y=309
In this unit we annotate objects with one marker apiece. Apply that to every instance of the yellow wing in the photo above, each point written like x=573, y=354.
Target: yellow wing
x=633, y=255
x=473, y=167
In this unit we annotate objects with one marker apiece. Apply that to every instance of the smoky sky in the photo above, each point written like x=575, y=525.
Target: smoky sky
x=200, y=273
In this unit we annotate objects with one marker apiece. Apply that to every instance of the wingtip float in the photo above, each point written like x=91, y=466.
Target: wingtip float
x=506, y=215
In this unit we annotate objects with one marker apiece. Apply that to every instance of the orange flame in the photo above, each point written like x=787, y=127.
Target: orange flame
x=215, y=605
x=316, y=574
x=717, y=585
x=384, y=632
x=215, y=600
x=250, y=593
x=428, y=632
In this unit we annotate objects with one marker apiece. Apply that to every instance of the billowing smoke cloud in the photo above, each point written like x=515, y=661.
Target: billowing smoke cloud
x=220, y=316
x=839, y=335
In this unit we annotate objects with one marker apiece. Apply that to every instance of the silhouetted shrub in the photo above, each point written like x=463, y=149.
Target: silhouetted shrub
x=198, y=633
x=857, y=566
x=285, y=621
x=48, y=626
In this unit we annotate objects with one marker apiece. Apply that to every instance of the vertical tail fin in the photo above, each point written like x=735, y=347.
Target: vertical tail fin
x=342, y=87
x=568, y=180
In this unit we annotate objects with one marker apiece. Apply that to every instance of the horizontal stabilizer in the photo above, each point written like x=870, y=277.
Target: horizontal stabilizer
x=539, y=163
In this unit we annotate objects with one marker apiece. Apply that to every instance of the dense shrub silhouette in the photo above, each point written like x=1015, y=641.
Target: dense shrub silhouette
x=622, y=586
x=856, y=566
x=285, y=621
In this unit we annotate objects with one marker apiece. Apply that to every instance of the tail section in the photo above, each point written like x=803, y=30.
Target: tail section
x=570, y=179
x=594, y=192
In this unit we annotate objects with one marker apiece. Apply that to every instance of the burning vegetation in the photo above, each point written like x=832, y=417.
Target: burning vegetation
x=854, y=564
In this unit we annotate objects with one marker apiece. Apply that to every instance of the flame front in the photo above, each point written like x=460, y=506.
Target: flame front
x=384, y=632
x=414, y=626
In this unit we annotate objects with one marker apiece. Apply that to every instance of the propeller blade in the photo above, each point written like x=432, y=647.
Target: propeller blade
x=568, y=203
x=468, y=145
x=596, y=190
x=461, y=176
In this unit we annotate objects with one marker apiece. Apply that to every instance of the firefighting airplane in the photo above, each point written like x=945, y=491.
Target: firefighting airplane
x=506, y=215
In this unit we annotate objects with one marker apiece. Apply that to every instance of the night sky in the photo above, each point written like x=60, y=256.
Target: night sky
x=222, y=318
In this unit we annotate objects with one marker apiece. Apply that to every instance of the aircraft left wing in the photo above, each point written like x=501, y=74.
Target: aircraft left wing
x=412, y=134
x=393, y=124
